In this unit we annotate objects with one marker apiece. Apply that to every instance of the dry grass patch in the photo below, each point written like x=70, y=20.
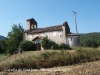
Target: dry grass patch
x=49, y=58
x=91, y=68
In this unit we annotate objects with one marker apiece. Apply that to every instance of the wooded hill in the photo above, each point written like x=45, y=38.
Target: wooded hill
x=94, y=35
x=90, y=39
x=2, y=37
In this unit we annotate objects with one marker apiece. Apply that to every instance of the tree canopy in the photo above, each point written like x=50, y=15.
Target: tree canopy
x=90, y=39
x=15, y=36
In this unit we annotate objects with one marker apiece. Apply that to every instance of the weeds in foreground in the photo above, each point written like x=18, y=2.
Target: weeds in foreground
x=51, y=59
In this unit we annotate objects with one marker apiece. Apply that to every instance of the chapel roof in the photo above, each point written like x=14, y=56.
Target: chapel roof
x=46, y=29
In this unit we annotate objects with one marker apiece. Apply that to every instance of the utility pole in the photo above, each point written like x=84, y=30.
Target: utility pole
x=75, y=21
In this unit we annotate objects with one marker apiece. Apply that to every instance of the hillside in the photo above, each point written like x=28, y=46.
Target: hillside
x=27, y=58
x=2, y=37
x=93, y=35
x=90, y=39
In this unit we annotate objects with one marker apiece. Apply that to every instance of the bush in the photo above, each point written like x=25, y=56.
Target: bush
x=55, y=46
x=27, y=45
x=64, y=46
x=45, y=42
x=48, y=44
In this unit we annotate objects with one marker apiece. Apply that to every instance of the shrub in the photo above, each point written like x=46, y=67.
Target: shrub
x=45, y=42
x=27, y=45
x=48, y=44
x=64, y=46
x=55, y=46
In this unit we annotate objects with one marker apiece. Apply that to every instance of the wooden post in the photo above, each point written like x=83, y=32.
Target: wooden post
x=19, y=50
x=75, y=21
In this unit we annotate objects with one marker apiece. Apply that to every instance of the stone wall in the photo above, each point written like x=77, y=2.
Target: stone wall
x=73, y=41
x=56, y=36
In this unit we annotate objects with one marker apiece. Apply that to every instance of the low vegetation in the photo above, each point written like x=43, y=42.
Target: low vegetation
x=27, y=45
x=90, y=68
x=47, y=59
x=48, y=44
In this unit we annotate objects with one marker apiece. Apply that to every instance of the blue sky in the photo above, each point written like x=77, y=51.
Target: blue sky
x=49, y=13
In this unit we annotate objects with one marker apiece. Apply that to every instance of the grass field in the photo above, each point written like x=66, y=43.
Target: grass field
x=91, y=68
x=8, y=62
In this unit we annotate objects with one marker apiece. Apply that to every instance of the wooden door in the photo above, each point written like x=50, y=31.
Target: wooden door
x=39, y=46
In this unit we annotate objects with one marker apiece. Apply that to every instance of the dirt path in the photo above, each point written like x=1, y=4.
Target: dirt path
x=91, y=68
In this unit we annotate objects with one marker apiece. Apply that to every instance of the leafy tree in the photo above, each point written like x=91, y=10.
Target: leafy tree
x=14, y=38
x=27, y=45
x=94, y=43
x=89, y=43
x=90, y=39
x=98, y=42
x=3, y=46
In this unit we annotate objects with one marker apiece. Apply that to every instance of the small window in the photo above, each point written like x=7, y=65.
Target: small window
x=71, y=39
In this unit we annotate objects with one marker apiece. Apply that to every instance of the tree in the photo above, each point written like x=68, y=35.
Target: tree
x=3, y=46
x=90, y=39
x=98, y=42
x=94, y=43
x=14, y=38
x=89, y=43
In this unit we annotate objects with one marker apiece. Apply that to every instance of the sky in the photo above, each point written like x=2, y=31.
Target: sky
x=49, y=13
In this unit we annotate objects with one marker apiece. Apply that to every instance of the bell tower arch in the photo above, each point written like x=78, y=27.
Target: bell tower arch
x=31, y=24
